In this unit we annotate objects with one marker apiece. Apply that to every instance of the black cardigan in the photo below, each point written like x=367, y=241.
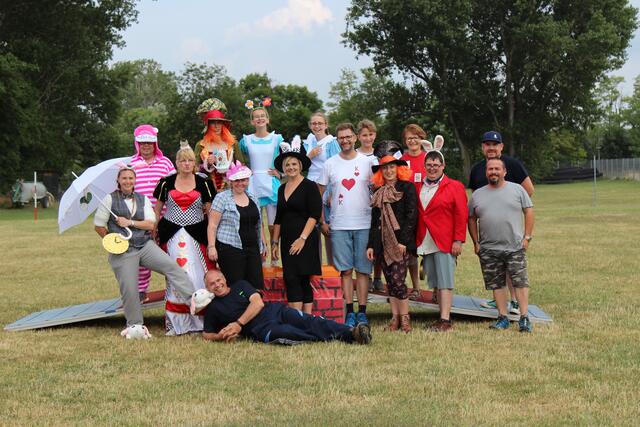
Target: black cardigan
x=406, y=212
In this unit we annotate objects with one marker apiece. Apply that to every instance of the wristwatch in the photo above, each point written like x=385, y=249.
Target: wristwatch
x=528, y=238
x=303, y=237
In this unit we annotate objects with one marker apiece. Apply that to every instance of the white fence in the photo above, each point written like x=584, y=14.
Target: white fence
x=618, y=168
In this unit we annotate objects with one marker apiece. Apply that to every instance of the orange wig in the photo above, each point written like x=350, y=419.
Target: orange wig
x=403, y=173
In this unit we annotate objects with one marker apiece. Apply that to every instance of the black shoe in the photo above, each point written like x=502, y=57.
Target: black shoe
x=361, y=333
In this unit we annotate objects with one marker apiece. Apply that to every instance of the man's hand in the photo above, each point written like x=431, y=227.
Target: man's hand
x=525, y=244
x=231, y=331
x=325, y=229
x=456, y=248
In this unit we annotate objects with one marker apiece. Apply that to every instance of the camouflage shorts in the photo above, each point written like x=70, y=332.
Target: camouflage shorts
x=495, y=265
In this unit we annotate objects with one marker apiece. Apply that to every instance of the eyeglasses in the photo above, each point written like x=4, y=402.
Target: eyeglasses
x=317, y=123
x=413, y=138
x=346, y=138
x=432, y=166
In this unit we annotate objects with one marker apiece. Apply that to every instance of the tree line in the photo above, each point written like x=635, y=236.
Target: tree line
x=538, y=71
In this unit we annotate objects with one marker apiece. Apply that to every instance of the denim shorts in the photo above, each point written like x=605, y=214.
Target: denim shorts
x=350, y=250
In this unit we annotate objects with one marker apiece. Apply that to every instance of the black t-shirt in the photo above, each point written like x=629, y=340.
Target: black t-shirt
x=223, y=310
x=249, y=217
x=515, y=172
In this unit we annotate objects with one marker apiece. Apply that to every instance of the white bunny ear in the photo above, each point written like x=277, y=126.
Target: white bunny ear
x=285, y=147
x=426, y=145
x=184, y=144
x=438, y=142
x=295, y=144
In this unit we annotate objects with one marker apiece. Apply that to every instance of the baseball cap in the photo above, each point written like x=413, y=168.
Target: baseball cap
x=492, y=135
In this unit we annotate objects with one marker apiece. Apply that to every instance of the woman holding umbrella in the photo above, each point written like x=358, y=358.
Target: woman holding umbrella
x=125, y=211
x=392, y=234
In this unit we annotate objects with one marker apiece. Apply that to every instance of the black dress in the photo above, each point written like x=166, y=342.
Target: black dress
x=292, y=215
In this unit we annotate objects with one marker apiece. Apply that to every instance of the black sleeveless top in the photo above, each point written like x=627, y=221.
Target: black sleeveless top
x=249, y=217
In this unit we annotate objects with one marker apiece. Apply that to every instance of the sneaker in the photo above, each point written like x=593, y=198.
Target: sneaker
x=525, y=324
x=514, y=307
x=362, y=318
x=361, y=334
x=350, y=320
x=378, y=286
x=441, y=325
x=502, y=323
x=489, y=304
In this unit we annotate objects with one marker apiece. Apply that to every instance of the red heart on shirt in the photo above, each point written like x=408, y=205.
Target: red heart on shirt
x=181, y=261
x=348, y=183
x=182, y=244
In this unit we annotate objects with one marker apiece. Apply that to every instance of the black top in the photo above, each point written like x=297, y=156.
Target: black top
x=249, y=217
x=227, y=309
x=406, y=213
x=305, y=202
x=515, y=172
x=166, y=228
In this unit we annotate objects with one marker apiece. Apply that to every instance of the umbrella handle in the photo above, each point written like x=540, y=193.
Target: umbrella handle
x=129, y=234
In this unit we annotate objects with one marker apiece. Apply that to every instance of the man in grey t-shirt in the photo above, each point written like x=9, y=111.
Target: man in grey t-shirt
x=496, y=211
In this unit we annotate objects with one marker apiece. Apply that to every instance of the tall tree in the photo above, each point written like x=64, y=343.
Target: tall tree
x=522, y=67
x=65, y=46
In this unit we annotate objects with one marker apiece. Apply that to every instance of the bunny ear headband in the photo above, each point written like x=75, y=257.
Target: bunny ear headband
x=437, y=145
x=293, y=149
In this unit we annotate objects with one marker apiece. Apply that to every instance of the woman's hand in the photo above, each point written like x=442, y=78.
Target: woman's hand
x=296, y=246
x=370, y=255
x=263, y=253
x=314, y=152
x=273, y=172
x=274, y=250
x=212, y=253
x=402, y=249
x=123, y=222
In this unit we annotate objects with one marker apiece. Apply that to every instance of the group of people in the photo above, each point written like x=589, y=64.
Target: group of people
x=377, y=207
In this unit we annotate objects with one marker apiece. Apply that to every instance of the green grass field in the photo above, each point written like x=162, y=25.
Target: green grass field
x=583, y=369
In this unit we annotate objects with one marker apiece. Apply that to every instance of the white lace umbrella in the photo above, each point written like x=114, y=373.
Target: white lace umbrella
x=85, y=193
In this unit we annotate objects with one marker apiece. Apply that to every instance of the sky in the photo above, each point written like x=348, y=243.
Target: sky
x=293, y=41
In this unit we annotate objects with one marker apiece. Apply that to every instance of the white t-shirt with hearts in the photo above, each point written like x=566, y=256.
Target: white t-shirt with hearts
x=348, y=181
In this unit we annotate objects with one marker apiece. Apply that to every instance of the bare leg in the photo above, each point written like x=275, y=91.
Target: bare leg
x=346, y=278
x=445, y=296
x=522, y=294
x=296, y=305
x=307, y=307
x=500, y=296
x=362, y=287
x=512, y=291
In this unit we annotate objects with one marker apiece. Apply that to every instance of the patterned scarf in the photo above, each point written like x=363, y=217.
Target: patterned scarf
x=382, y=199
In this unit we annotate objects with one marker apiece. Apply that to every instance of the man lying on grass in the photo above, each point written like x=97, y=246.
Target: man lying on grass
x=239, y=311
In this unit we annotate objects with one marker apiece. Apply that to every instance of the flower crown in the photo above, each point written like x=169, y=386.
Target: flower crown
x=252, y=104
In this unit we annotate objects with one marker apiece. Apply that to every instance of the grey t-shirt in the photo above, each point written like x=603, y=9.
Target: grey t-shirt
x=500, y=218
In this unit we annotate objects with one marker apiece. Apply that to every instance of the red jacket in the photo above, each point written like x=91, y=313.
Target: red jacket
x=445, y=216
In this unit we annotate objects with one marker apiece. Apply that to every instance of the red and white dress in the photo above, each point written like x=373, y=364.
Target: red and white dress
x=183, y=235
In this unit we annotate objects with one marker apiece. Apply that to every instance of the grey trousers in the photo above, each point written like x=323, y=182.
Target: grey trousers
x=125, y=267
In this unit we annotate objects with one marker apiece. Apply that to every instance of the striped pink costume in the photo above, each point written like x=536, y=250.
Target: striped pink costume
x=147, y=176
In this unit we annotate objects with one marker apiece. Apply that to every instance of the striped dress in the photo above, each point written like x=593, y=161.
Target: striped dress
x=147, y=176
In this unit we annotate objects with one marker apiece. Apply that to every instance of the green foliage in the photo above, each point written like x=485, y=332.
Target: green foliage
x=59, y=52
x=523, y=68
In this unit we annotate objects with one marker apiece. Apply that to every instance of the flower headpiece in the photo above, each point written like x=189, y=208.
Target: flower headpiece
x=437, y=145
x=252, y=104
x=238, y=171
